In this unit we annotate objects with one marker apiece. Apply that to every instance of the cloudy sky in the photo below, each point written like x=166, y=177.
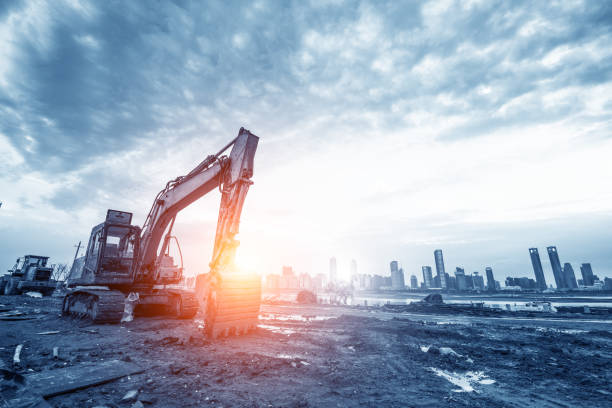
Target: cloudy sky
x=388, y=129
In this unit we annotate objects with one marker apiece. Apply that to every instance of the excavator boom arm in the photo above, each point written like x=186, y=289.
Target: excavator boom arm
x=231, y=173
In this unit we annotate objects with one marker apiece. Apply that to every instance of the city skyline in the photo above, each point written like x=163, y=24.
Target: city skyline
x=567, y=278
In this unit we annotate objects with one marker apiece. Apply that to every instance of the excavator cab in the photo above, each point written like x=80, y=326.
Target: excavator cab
x=111, y=252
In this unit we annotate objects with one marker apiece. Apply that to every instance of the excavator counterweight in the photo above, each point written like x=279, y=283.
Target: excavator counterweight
x=123, y=259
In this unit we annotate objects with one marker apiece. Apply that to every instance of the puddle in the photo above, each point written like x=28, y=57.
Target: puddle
x=296, y=359
x=295, y=318
x=564, y=331
x=466, y=381
x=276, y=329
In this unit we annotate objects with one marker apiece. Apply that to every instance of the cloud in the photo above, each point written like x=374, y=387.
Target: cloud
x=374, y=117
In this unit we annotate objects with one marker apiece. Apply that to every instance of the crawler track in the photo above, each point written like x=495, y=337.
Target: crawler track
x=99, y=306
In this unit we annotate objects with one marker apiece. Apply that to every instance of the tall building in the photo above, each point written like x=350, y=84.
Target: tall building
x=490, y=279
x=333, y=270
x=537, y=268
x=354, y=275
x=556, y=267
x=397, y=277
x=569, y=276
x=288, y=279
x=460, y=279
x=451, y=282
x=414, y=284
x=440, y=272
x=427, y=277
x=478, y=281
x=587, y=274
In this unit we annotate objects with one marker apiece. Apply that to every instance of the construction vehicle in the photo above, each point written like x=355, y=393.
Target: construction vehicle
x=30, y=274
x=123, y=259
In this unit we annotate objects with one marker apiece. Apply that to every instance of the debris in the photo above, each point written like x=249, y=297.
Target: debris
x=466, y=381
x=137, y=404
x=130, y=396
x=176, y=369
x=55, y=353
x=449, y=351
x=16, y=356
x=130, y=303
x=169, y=340
x=34, y=294
x=48, y=332
x=63, y=380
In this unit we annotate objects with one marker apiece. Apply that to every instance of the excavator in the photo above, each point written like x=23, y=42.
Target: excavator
x=123, y=260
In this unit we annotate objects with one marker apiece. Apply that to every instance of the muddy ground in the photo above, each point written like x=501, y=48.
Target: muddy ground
x=314, y=356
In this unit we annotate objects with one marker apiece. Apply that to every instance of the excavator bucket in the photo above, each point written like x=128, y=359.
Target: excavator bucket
x=231, y=305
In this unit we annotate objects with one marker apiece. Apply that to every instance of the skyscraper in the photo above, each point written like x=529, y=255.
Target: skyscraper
x=353, y=267
x=460, y=279
x=440, y=272
x=478, y=281
x=414, y=284
x=397, y=276
x=333, y=270
x=587, y=274
x=490, y=279
x=569, y=276
x=354, y=275
x=427, y=278
x=556, y=267
x=537, y=268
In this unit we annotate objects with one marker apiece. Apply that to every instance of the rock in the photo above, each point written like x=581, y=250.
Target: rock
x=147, y=399
x=137, y=404
x=176, y=369
x=130, y=396
x=433, y=350
x=169, y=340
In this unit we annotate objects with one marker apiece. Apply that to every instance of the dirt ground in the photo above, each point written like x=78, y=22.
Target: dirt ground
x=314, y=356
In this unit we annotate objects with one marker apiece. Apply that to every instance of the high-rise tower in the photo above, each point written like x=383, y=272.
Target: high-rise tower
x=397, y=276
x=441, y=273
x=587, y=274
x=427, y=277
x=568, y=276
x=490, y=279
x=537, y=268
x=333, y=270
x=556, y=267
x=460, y=278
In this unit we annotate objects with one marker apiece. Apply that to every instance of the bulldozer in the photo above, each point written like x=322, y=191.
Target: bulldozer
x=124, y=260
x=30, y=274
